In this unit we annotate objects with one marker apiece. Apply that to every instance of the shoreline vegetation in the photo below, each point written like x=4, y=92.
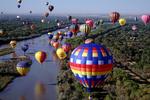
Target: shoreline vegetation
x=130, y=78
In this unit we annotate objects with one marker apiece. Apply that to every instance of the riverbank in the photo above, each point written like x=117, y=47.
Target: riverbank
x=42, y=32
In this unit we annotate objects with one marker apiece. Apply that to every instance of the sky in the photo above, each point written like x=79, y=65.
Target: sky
x=77, y=6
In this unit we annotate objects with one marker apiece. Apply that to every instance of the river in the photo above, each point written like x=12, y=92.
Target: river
x=45, y=73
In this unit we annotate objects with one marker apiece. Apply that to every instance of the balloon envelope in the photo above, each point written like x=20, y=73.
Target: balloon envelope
x=74, y=28
x=145, y=19
x=61, y=53
x=66, y=47
x=85, y=28
x=25, y=47
x=89, y=22
x=40, y=56
x=13, y=43
x=23, y=67
x=91, y=63
x=114, y=16
x=122, y=21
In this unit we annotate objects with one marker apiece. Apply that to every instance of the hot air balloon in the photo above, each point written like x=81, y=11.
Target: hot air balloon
x=56, y=37
x=66, y=47
x=58, y=24
x=114, y=16
x=2, y=13
x=101, y=21
x=46, y=14
x=30, y=12
x=85, y=28
x=134, y=28
x=145, y=19
x=61, y=53
x=56, y=20
x=42, y=20
x=25, y=47
x=89, y=40
x=61, y=37
x=13, y=43
x=40, y=56
x=51, y=7
x=69, y=18
x=50, y=35
x=74, y=21
x=19, y=1
x=122, y=21
x=55, y=44
x=74, y=28
x=23, y=67
x=69, y=34
x=18, y=18
x=32, y=27
x=89, y=22
x=135, y=18
x=18, y=6
x=47, y=3
x=91, y=64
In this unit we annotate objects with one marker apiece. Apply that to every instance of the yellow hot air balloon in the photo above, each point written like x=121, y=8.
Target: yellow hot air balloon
x=40, y=56
x=122, y=21
x=13, y=43
x=61, y=53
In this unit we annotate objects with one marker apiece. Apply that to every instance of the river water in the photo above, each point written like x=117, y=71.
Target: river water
x=45, y=73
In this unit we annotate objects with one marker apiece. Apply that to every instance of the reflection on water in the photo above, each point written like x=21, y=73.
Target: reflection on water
x=23, y=88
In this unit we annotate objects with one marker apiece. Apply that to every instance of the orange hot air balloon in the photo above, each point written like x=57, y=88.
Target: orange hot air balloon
x=114, y=16
x=55, y=45
x=40, y=56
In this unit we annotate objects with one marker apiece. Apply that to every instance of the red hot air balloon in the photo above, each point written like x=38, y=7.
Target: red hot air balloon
x=40, y=56
x=66, y=47
x=91, y=64
x=145, y=19
x=114, y=16
x=89, y=22
x=74, y=21
x=55, y=45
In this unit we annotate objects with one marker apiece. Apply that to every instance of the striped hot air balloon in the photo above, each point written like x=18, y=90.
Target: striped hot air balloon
x=91, y=63
x=114, y=16
x=85, y=28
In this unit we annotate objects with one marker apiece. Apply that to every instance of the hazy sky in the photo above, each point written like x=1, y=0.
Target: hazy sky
x=78, y=6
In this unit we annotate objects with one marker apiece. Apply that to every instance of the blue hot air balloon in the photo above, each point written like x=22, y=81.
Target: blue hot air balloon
x=91, y=64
